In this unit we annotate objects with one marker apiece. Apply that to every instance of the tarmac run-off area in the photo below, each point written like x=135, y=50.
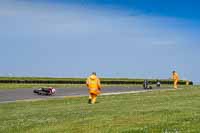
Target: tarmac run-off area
x=7, y=96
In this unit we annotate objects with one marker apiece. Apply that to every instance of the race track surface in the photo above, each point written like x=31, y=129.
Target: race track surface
x=25, y=94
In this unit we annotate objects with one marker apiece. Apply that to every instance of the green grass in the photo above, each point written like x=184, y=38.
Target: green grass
x=55, y=79
x=71, y=79
x=37, y=82
x=33, y=86
x=39, y=78
x=7, y=86
x=170, y=111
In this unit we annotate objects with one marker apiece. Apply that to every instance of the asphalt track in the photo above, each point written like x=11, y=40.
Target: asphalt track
x=27, y=94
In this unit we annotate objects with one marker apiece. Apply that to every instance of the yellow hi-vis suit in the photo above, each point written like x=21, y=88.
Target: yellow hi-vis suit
x=94, y=87
x=175, y=77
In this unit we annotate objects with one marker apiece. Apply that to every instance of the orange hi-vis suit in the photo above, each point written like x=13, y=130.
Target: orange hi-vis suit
x=94, y=87
x=175, y=77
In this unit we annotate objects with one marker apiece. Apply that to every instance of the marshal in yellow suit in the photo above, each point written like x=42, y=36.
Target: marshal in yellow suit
x=94, y=87
x=175, y=77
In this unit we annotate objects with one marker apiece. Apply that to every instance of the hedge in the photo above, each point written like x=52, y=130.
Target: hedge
x=46, y=80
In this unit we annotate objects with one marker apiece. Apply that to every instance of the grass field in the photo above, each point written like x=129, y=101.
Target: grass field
x=33, y=86
x=67, y=79
x=37, y=82
x=108, y=81
x=167, y=111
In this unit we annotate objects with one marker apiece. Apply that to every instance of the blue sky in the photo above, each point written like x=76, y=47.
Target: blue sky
x=115, y=38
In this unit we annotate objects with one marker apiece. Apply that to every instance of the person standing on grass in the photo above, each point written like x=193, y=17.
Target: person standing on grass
x=94, y=87
x=175, y=77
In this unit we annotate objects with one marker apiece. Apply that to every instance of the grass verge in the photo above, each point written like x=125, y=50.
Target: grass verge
x=157, y=111
x=33, y=86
